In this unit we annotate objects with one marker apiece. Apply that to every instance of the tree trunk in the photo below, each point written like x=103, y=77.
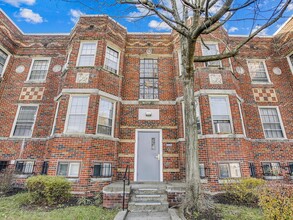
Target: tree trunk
x=191, y=137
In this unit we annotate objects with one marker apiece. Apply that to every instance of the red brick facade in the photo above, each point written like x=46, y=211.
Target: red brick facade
x=50, y=142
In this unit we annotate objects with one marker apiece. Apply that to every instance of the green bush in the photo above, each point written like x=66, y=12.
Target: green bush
x=6, y=179
x=49, y=190
x=276, y=201
x=243, y=192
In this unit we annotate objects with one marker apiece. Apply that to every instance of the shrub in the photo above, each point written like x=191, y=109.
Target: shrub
x=243, y=192
x=49, y=190
x=6, y=178
x=276, y=201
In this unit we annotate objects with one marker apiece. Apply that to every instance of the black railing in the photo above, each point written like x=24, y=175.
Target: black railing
x=126, y=177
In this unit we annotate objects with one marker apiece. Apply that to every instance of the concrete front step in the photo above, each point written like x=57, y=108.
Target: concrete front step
x=149, y=206
x=149, y=191
x=148, y=216
x=149, y=197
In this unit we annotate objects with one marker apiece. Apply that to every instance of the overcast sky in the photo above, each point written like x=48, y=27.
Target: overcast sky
x=58, y=16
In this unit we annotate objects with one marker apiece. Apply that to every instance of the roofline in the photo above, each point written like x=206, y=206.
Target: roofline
x=246, y=35
x=103, y=15
x=150, y=33
x=283, y=25
x=11, y=21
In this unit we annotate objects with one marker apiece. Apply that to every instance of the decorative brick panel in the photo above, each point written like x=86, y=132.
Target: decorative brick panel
x=32, y=93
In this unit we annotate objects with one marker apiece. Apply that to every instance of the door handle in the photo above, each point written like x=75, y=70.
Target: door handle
x=158, y=157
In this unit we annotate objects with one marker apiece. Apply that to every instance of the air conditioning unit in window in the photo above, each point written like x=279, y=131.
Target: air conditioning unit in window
x=223, y=128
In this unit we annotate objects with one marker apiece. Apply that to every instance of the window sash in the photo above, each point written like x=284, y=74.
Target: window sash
x=257, y=71
x=73, y=170
x=202, y=171
x=149, y=82
x=3, y=58
x=102, y=170
x=221, y=116
x=105, y=118
x=77, y=116
x=25, y=121
x=87, y=54
x=68, y=169
x=271, y=168
x=198, y=119
x=39, y=70
x=25, y=167
x=229, y=170
x=213, y=50
x=111, y=60
x=271, y=123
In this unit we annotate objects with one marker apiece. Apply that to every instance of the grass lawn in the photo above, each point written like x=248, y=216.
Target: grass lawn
x=230, y=212
x=10, y=208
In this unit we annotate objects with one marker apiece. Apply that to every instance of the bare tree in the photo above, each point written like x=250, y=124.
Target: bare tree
x=192, y=19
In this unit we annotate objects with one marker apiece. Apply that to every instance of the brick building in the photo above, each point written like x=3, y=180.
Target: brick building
x=84, y=105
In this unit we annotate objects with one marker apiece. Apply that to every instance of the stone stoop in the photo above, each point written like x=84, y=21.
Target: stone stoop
x=148, y=198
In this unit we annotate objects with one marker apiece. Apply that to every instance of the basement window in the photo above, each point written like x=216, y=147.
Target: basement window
x=3, y=165
x=252, y=170
x=271, y=169
x=24, y=167
x=291, y=169
x=68, y=169
x=102, y=170
x=229, y=170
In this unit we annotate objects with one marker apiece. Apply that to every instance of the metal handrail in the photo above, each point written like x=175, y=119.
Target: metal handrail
x=125, y=177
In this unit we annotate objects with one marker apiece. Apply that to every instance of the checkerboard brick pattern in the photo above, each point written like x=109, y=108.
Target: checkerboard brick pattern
x=32, y=93
x=264, y=95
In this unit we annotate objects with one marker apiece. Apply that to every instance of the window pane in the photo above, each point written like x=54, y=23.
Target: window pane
x=62, y=169
x=107, y=171
x=220, y=114
x=25, y=120
x=39, y=70
x=267, y=169
x=105, y=120
x=3, y=58
x=87, y=54
x=235, y=170
x=271, y=123
x=224, y=170
x=28, y=167
x=202, y=171
x=257, y=71
x=73, y=170
x=111, y=61
x=77, y=114
x=97, y=170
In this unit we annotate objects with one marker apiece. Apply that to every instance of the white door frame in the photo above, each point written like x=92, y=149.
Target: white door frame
x=136, y=150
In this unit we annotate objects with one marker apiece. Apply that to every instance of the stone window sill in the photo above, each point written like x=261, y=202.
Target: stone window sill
x=101, y=179
x=223, y=181
x=273, y=177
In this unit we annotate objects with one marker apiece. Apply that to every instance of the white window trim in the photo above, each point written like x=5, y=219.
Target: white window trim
x=230, y=113
x=79, y=52
x=68, y=112
x=30, y=70
x=266, y=70
x=113, y=116
x=281, y=123
x=241, y=117
x=15, y=120
x=217, y=46
x=289, y=61
x=118, y=61
x=179, y=54
x=69, y=165
x=6, y=61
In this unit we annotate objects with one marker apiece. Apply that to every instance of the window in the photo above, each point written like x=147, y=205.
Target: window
x=271, y=169
x=87, y=54
x=77, y=115
x=3, y=165
x=39, y=69
x=45, y=168
x=24, y=167
x=252, y=170
x=211, y=49
x=105, y=119
x=111, y=60
x=3, y=59
x=290, y=61
x=102, y=170
x=258, y=71
x=220, y=110
x=149, y=79
x=25, y=121
x=229, y=170
x=68, y=169
x=198, y=121
x=202, y=172
x=271, y=122
x=291, y=168
x=180, y=62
